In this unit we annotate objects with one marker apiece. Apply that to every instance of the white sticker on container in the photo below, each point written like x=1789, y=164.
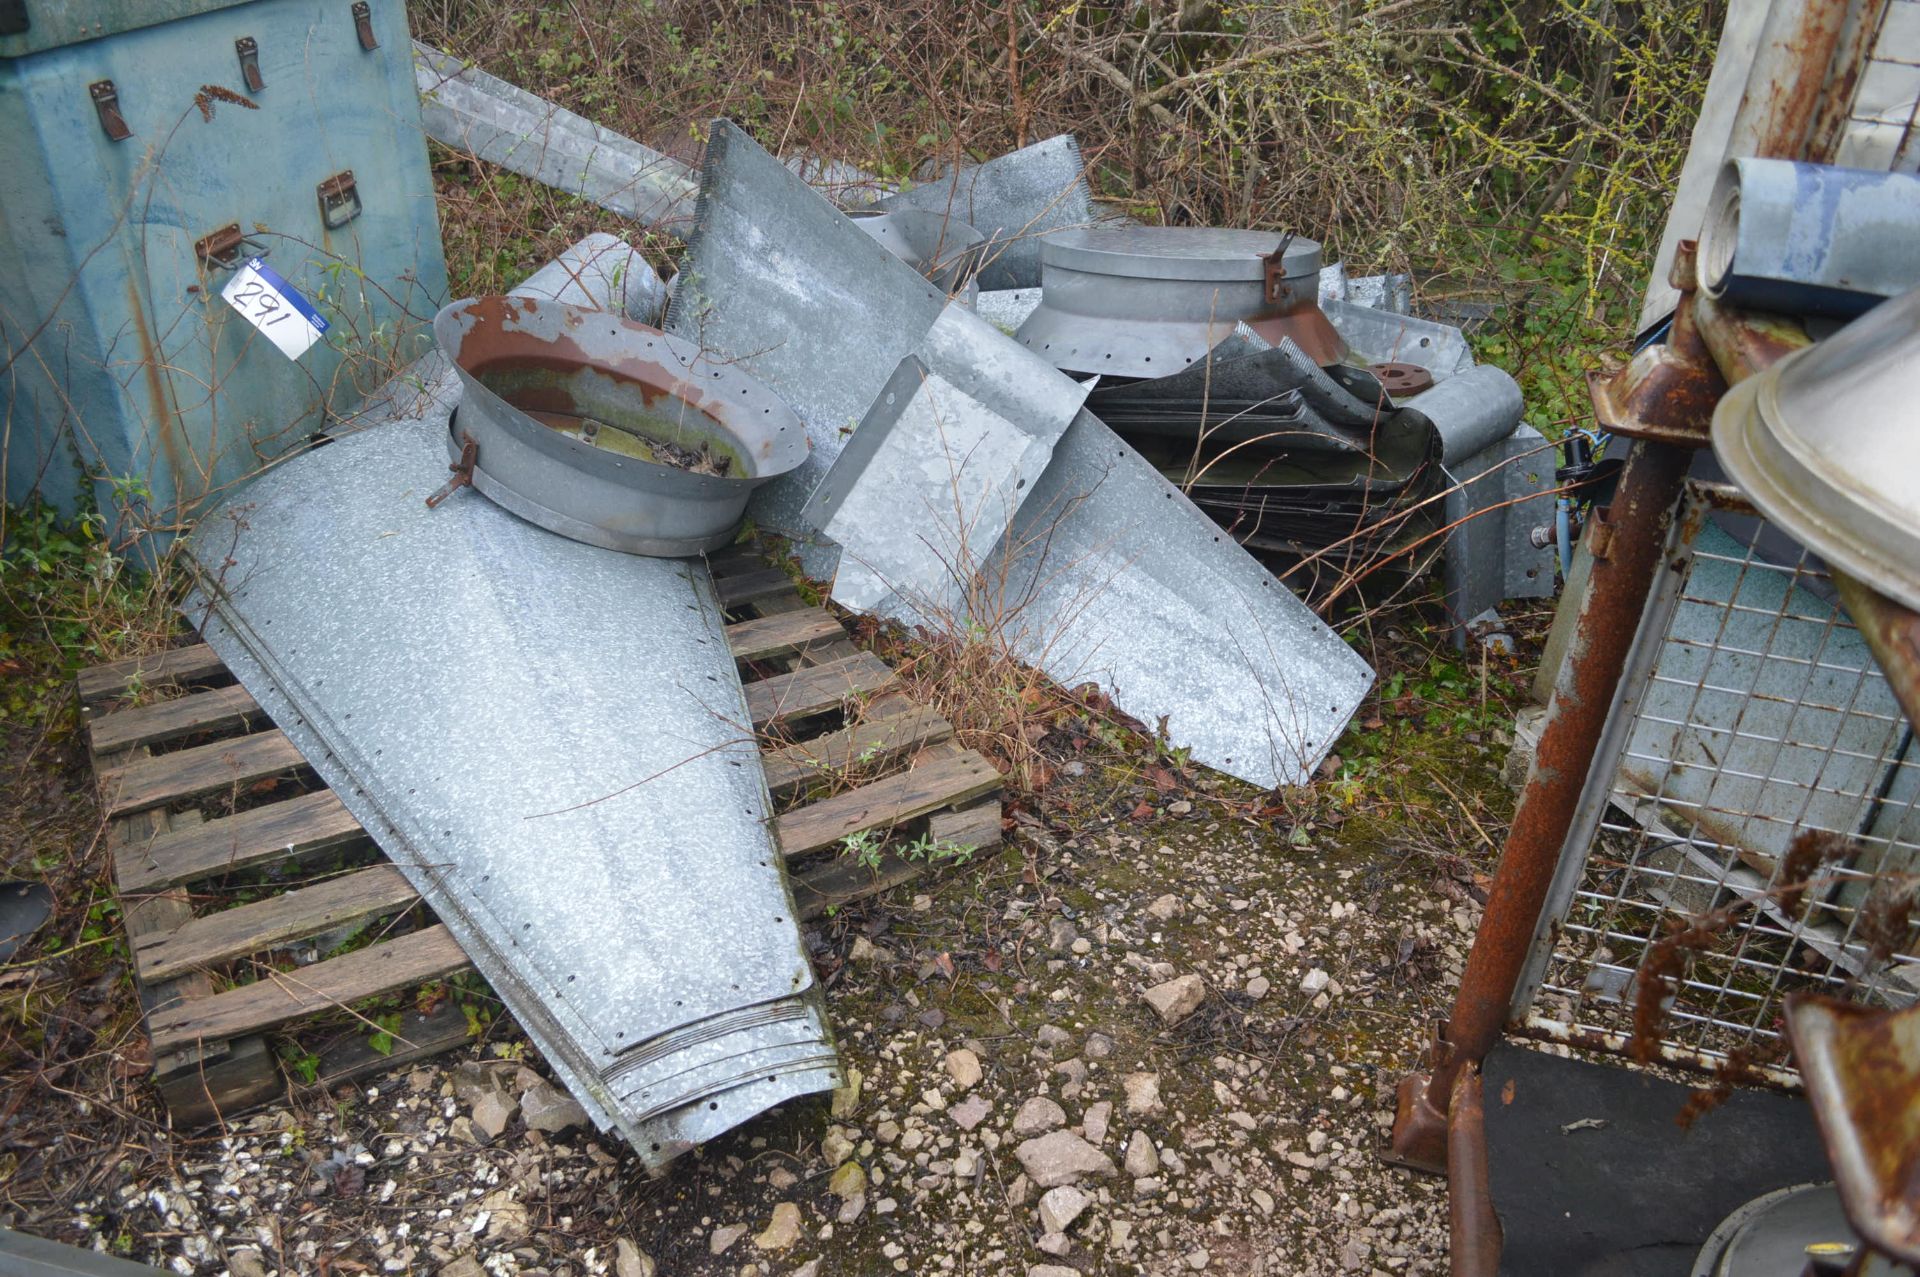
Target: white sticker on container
x=275, y=307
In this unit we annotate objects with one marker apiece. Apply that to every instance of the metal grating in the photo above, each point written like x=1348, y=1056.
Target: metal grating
x=1879, y=131
x=1751, y=710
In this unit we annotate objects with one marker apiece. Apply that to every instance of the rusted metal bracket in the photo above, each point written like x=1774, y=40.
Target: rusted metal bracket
x=363, y=25
x=106, y=103
x=248, y=50
x=1744, y=342
x=1278, y=292
x=1666, y=393
x=462, y=471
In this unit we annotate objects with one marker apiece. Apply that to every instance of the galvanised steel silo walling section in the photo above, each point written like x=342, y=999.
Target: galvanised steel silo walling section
x=148, y=152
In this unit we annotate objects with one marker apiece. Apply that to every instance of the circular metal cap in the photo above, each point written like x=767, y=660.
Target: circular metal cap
x=1824, y=443
x=1177, y=252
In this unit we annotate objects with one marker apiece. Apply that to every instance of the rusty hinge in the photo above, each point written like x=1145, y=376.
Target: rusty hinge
x=249, y=50
x=106, y=101
x=462, y=471
x=363, y=24
x=339, y=200
x=221, y=248
x=1279, y=292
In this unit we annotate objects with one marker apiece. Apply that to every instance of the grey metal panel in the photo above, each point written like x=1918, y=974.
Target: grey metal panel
x=1529, y=470
x=921, y=496
x=1014, y=200
x=465, y=108
x=1110, y=575
x=23, y=1255
x=1007, y=308
x=613, y=884
x=783, y=283
x=602, y=271
x=1379, y=336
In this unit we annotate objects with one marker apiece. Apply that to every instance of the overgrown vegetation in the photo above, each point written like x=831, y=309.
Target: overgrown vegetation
x=1519, y=156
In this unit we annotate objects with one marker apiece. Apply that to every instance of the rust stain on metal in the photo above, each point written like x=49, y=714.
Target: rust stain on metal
x=1744, y=342
x=1666, y=393
x=1892, y=634
x=1862, y=1071
x=1475, y=1238
x=1848, y=61
x=164, y=427
x=1788, y=106
x=531, y=373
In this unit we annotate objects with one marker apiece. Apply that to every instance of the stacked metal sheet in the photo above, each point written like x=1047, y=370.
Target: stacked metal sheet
x=1015, y=513
x=550, y=740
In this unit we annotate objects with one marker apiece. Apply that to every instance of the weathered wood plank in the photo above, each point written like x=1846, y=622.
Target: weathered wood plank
x=223, y=709
x=844, y=880
x=971, y=829
x=749, y=587
x=419, y=1036
x=265, y=924
x=279, y=997
x=816, y=689
x=886, y=802
x=307, y=825
x=734, y=559
x=196, y=772
x=765, y=636
x=873, y=742
x=171, y=668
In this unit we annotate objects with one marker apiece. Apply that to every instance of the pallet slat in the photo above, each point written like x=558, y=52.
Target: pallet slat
x=288, y=830
x=845, y=880
x=197, y=772
x=816, y=689
x=784, y=632
x=873, y=742
x=886, y=802
x=280, y=997
x=214, y=938
x=195, y=664
x=748, y=587
x=225, y=709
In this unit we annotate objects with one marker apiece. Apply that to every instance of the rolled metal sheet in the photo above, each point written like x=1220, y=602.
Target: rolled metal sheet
x=465, y=108
x=618, y=887
x=1810, y=239
x=600, y=272
x=1016, y=200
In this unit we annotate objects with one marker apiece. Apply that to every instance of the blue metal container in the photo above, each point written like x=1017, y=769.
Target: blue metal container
x=146, y=152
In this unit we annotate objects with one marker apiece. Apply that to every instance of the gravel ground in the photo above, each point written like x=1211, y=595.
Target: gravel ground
x=1156, y=1035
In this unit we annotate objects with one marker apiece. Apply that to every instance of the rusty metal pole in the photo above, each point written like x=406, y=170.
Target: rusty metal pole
x=1626, y=539
x=1475, y=1238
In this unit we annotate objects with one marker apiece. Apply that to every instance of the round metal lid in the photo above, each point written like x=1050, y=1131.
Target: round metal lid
x=1824, y=444
x=1177, y=252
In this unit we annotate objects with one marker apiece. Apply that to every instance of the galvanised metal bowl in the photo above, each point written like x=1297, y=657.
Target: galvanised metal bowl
x=609, y=431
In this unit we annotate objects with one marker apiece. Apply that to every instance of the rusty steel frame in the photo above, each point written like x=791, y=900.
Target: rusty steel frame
x=1475, y=1238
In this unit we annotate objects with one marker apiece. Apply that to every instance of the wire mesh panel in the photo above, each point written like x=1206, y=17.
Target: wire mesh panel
x=1751, y=713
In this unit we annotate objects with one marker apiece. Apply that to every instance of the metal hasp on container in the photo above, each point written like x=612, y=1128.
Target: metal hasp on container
x=465, y=108
x=946, y=251
x=1810, y=239
x=1017, y=200
x=1146, y=301
x=1827, y=443
x=608, y=431
x=793, y=293
x=567, y=773
x=1861, y=1066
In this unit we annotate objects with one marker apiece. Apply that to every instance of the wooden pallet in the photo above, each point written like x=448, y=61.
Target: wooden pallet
x=207, y=801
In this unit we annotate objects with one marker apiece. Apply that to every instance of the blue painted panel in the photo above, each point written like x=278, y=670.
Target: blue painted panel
x=125, y=369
